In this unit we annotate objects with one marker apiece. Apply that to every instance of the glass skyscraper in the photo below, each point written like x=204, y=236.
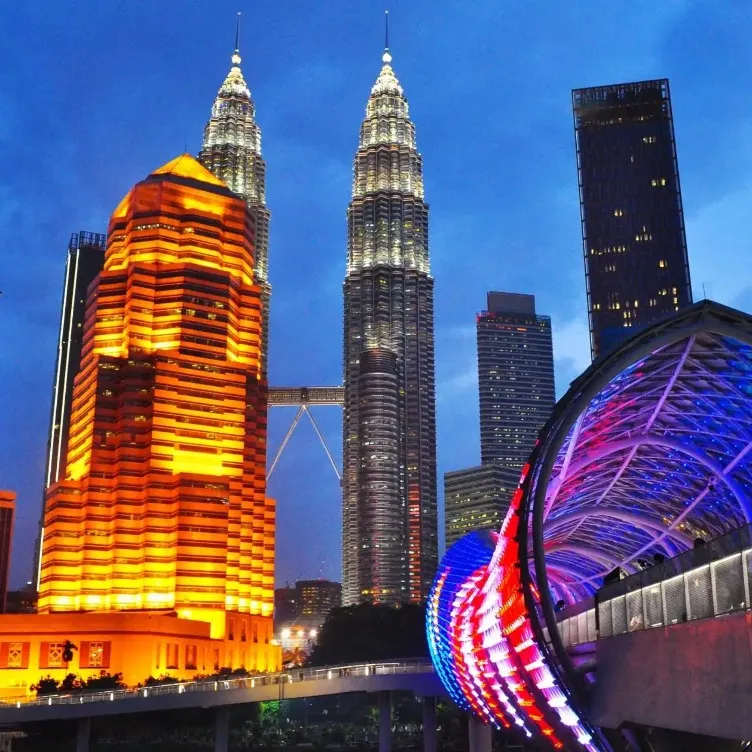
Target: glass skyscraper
x=84, y=263
x=636, y=263
x=515, y=378
x=232, y=151
x=389, y=434
x=476, y=498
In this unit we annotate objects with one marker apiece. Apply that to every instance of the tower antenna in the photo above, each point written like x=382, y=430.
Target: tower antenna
x=386, y=31
x=237, y=34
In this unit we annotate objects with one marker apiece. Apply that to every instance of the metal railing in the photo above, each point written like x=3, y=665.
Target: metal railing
x=419, y=666
x=711, y=580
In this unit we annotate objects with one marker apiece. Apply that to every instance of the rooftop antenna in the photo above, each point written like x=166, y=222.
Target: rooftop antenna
x=386, y=57
x=704, y=296
x=236, y=54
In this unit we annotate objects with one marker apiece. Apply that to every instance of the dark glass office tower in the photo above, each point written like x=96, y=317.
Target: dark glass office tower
x=389, y=546
x=636, y=264
x=515, y=378
x=84, y=263
x=232, y=151
x=477, y=498
x=7, y=518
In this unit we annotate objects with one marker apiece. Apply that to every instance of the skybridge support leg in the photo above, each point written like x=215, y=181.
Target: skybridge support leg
x=83, y=734
x=479, y=735
x=222, y=730
x=385, y=721
x=429, y=724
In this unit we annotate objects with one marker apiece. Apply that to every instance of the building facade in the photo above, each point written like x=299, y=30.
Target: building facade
x=163, y=505
x=84, y=262
x=7, y=520
x=286, y=605
x=389, y=546
x=135, y=644
x=515, y=378
x=231, y=149
x=318, y=597
x=634, y=245
x=476, y=498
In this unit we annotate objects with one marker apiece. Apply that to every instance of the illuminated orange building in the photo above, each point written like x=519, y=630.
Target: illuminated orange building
x=163, y=504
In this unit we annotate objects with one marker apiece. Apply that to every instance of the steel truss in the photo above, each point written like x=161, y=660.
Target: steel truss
x=305, y=397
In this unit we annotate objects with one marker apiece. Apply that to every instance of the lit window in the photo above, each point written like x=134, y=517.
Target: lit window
x=96, y=654
x=172, y=655
x=191, y=653
x=15, y=655
x=662, y=264
x=55, y=654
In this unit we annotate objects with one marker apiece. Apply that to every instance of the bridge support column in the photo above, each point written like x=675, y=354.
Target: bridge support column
x=429, y=724
x=385, y=721
x=479, y=735
x=83, y=734
x=222, y=730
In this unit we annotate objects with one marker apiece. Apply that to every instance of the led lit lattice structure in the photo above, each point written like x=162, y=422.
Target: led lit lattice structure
x=163, y=502
x=650, y=448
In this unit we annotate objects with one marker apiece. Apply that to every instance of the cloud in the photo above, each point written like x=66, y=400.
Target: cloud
x=571, y=352
x=719, y=250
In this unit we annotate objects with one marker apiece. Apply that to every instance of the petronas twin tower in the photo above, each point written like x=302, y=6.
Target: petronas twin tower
x=389, y=517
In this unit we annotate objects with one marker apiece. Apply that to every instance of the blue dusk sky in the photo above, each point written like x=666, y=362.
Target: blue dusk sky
x=95, y=94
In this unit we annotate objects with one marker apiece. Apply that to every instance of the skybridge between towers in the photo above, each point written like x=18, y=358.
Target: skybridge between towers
x=304, y=398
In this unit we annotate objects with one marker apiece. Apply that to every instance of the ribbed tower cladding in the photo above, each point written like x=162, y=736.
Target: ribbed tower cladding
x=232, y=151
x=163, y=502
x=389, y=432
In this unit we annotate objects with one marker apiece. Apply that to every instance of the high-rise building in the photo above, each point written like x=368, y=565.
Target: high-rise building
x=476, y=498
x=7, y=518
x=232, y=151
x=515, y=378
x=318, y=597
x=163, y=504
x=389, y=546
x=84, y=262
x=636, y=263
x=286, y=606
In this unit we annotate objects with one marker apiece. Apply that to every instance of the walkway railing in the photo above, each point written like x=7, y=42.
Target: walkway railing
x=711, y=580
x=419, y=666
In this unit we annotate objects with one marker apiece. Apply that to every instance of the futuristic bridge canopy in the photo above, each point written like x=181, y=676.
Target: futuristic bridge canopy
x=650, y=448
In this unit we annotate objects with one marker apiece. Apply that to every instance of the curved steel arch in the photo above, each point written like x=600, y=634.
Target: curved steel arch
x=678, y=397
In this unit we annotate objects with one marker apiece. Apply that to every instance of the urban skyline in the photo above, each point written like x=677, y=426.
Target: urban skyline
x=450, y=377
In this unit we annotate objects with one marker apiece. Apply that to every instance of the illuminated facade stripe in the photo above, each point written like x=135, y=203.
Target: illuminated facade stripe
x=389, y=525
x=163, y=504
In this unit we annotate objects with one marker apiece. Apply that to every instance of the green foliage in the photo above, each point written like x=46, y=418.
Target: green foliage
x=103, y=682
x=45, y=686
x=370, y=632
x=71, y=683
x=155, y=681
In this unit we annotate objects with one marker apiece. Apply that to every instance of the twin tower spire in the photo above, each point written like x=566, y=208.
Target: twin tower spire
x=389, y=515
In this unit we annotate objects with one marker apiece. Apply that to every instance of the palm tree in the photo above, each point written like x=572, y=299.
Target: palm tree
x=68, y=648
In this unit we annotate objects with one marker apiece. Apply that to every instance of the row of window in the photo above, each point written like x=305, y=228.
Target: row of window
x=91, y=654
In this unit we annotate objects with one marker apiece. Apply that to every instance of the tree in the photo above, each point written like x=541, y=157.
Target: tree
x=45, y=686
x=103, y=682
x=68, y=649
x=369, y=632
